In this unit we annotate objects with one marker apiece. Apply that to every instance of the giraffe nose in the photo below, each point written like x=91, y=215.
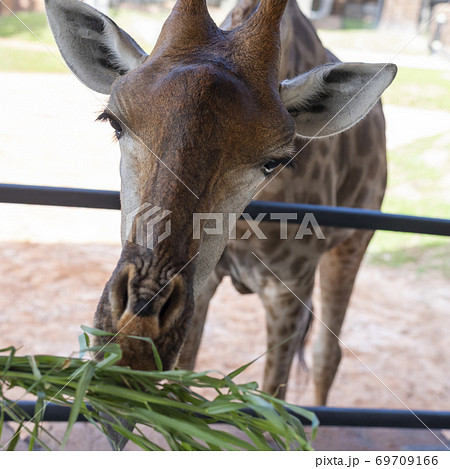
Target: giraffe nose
x=151, y=296
x=167, y=303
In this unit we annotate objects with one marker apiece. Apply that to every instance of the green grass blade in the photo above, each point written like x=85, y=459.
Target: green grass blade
x=9, y=359
x=39, y=409
x=15, y=439
x=2, y=419
x=78, y=403
x=96, y=332
x=84, y=343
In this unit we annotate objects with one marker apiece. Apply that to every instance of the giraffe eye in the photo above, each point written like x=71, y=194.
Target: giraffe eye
x=117, y=127
x=287, y=162
x=271, y=166
x=105, y=116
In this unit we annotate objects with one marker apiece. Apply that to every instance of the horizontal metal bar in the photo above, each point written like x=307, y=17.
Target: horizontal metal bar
x=59, y=196
x=342, y=217
x=346, y=217
x=52, y=412
x=385, y=418
x=328, y=416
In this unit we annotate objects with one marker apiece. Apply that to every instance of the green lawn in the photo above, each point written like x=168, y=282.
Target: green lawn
x=425, y=89
x=28, y=54
x=26, y=60
x=417, y=185
x=34, y=26
x=29, y=27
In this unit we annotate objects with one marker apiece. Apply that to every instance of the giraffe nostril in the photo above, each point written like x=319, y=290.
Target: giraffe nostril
x=175, y=302
x=119, y=296
x=124, y=297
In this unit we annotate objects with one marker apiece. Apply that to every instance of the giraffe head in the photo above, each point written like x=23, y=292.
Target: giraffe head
x=201, y=122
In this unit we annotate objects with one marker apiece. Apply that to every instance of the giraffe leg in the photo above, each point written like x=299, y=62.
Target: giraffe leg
x=338, y=269
x=191, y=345
x=289, y=315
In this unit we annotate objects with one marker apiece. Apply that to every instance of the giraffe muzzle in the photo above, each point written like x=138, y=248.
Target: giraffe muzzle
x=152, y=303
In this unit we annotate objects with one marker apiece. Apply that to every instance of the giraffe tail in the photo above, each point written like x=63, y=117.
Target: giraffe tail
x=303, y=367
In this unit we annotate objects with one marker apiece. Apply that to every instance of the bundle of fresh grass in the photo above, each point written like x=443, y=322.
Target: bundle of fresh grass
x=117, y=400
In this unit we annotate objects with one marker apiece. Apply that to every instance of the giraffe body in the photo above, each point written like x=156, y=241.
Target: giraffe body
x=349, y=170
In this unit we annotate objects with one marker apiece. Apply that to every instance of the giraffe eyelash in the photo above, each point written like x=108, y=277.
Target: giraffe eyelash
x=104, y=116
x=115, y=124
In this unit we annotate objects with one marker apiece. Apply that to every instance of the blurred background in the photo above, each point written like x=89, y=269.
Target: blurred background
x=54, y=261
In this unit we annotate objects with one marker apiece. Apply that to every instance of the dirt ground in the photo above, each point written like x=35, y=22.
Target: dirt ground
x=55, y=261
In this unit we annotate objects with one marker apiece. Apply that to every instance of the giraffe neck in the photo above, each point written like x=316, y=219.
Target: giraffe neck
x=301, y=48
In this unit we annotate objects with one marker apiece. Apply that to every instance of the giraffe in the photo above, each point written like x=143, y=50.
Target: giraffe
x=202, y=123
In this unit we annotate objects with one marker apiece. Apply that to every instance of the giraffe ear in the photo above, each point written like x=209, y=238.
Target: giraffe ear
x=93, y=46
x=332, y=98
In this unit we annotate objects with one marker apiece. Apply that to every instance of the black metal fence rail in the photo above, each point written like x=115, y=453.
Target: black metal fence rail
x=328, y=416
x=326, y=216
